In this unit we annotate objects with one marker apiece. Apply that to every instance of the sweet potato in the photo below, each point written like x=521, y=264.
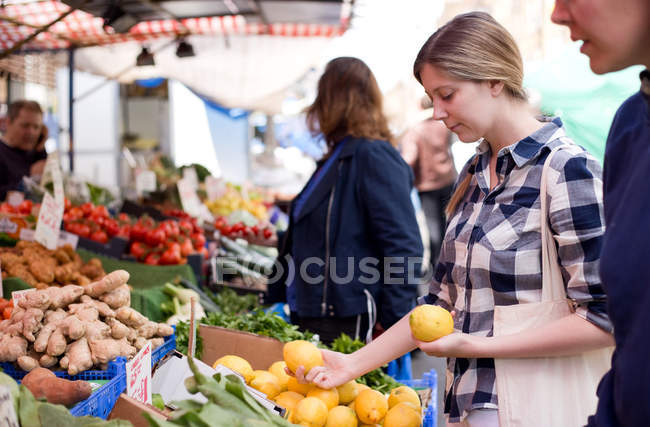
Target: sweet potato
x=44, y=384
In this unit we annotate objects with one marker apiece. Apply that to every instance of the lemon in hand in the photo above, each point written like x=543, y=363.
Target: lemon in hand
x=430, y=322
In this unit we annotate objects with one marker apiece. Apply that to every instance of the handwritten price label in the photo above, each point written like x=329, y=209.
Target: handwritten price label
x=49, y=222
x=18, y=296
x=190, y=175
x=215, y=187
x=189, y=199
x=145, y=180
x=138, y=375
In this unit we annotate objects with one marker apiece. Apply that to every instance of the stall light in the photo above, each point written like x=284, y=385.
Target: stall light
x=117, y=19
x=184, y=49
x=144, y=58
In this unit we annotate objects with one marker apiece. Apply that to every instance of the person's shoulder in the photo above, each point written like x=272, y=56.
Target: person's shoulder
x=571, y=159
x=375, y=147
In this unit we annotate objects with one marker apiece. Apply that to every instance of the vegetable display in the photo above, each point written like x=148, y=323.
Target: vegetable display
x=168, y=242
x=94, y=222
x=77, y=327
x=40, y=267
x=44, y=384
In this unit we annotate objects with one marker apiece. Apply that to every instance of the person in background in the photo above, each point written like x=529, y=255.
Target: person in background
x=472, y=70
x=22, y=147
x=616, y=35
x=353, y=216
x=426, y=148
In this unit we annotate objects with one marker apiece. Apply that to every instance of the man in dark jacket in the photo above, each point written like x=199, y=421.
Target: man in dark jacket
x=21, y=147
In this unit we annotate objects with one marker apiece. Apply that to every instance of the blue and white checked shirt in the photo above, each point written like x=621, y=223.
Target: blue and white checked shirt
x=491, y=254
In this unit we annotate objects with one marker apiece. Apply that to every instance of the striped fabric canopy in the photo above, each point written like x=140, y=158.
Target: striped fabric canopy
x=19, y=21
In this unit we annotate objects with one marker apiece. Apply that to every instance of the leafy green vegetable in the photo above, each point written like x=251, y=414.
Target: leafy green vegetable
x=157, y=401
x=261, y=323
x=231, y=303
x=377, y=379
x=183, y=339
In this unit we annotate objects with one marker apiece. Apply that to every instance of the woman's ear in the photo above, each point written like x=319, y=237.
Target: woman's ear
x=496, y=87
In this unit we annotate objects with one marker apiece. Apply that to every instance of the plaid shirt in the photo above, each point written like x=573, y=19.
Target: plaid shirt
x=491, y=254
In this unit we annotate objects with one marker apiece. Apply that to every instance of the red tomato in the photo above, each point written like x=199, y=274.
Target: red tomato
x=198, y=240
x=25, y=207
x=6, y=208
x=124, y=231
x=111, y=227
x=6, y=312
x=155, y=237
x=267, y=233
x=255, y=230
x=76, y=212
x=99, y=236
x=138, y=232
x=87, y=209
x=186, y=247
x=152, y=259
x=66, y=204
x=100, y=210
x=138, y=250
x=83, y=230
x=124, y=217
x=171, y=256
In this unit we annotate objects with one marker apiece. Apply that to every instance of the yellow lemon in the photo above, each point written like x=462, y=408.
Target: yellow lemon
x=430, y=322
x=341, y=416
x=347, y=392
x=237, y=364
x=300, y=352
x=311, y=412
x=288, y=400
x=266, y=382
x=361, y=387
x=403, y=415
x=370, y=406
x=351, y=405
x=277, y=369
x=403, y=394
x=294, y=385
x=329, y=397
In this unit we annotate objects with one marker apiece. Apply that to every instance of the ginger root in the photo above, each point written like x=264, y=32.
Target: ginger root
x=106, y=350
x=11, y=348
x=107, y=284
x=130, y=317
x=120, y=297
x=79, y=357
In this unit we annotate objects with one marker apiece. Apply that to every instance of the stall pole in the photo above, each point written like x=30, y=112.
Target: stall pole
x=71, y=106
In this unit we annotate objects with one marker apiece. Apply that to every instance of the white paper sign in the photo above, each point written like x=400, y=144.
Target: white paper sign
x=215, y=187
x=145, y=180
x=190, y=175
x=49, y=222
x=14, y=198
x=7, y=225
x=26, y=234
x=66, y=238
x=7, y=411
x=189, y=199
x=51, y=213
x=138, y=375
x=18, y=296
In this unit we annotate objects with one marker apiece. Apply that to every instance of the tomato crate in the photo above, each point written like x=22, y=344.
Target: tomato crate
x=101, y=402
x=427, y=389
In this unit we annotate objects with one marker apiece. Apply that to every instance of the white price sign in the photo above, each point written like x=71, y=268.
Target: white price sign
x=66, y=238
x=138, y=375
x=49, y=222
x=18, y=296
x=7, y=411
x=51, y=213
x=190, y=175
x=189, y=198
x=215, y=187
x=145, y=180
x=14, y=198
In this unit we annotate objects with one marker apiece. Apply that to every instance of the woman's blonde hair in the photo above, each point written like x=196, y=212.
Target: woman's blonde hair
x=475, y=47
x=348, y=102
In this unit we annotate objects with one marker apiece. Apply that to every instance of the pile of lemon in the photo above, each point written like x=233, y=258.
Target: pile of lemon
x=232, y=201
x=349, y=405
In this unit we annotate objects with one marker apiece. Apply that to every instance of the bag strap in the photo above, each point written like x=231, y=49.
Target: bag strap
x=552, y=281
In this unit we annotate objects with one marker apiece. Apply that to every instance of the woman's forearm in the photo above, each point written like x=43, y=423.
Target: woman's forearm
x=567, y=336
x=390, y=345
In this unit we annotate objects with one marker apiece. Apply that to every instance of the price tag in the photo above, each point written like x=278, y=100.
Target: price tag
x=49, y=222
x=14, y=198
x=51, y=213
x=215, y=187
x=26, y=234
x=18, y=296
x=8, y=226
x=138, y=375
x=145, y=180
x=190, y=175
x=189, y=199
x=66, y=238
x=7, y=411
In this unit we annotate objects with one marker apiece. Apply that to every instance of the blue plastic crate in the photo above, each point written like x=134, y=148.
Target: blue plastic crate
x=101, y=403
x=115, y=367
x=429, y=380
x=163, y=350
x=401, y=368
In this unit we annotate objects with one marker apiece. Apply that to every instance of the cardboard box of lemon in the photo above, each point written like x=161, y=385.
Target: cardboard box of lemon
x=349, y=405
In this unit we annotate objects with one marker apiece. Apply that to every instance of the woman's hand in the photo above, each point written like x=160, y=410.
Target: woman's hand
x=335, y=372
x=457, y=344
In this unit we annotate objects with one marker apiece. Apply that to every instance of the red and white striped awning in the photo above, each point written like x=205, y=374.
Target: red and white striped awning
x=19, y=21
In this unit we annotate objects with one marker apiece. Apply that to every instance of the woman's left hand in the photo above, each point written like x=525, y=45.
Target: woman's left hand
x=457, y=344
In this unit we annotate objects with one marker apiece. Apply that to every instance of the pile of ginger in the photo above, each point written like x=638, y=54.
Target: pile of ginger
x=77, y=327
x=40, y=267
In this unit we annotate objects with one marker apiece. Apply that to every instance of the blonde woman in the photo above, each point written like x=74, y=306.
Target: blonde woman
x=472, y=71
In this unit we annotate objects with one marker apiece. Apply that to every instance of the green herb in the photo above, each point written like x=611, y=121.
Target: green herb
x=259, y=322
x=231, y=303
x=183, y=339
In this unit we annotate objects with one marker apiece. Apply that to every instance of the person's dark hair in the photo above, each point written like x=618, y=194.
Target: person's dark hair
x=348, y=102
x=16, y=106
